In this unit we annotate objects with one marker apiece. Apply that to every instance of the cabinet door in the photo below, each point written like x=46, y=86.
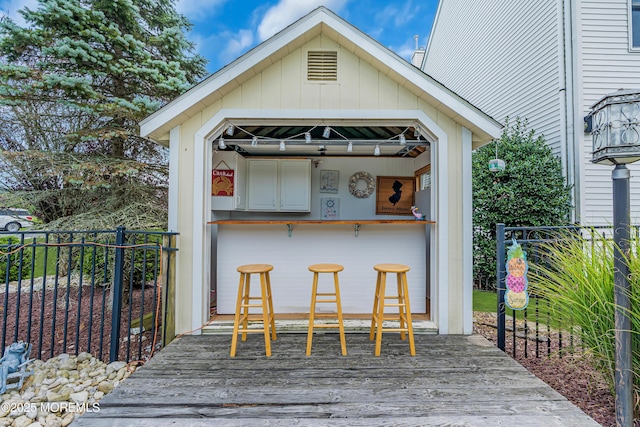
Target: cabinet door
x=263, y=185
x=240, y=194
x=295, y=185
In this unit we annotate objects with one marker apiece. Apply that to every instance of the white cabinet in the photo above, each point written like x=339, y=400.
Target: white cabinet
x=263, y=185
x=279, y=185
x=229, y=160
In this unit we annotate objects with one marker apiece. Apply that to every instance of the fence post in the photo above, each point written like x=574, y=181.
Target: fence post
x=168, y=290
x=500, y=290
x=116, y=312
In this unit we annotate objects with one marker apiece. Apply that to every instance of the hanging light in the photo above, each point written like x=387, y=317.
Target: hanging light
x=327, y=132
x=254, y=141
x=349, y=147
x=376, y=151
x=283, y=147
x=221, y=144
x=230, y=130
x=307, y=137
x=416, y=132
x=403, y=140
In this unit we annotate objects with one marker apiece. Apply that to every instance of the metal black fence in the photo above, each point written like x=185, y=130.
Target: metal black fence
x=535, y=331
x=101, y=292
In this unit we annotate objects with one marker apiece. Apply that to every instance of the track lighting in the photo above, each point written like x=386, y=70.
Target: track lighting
x=327, y=132
x=403, y=140
x=349, y=147
x=221, y=144
x=283, y=147
x=376, y=151
x=230, y=130
x=254, y=141
x=307, y=137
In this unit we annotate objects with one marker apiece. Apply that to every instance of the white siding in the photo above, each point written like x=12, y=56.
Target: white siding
x=607, y=65
x=503, y=59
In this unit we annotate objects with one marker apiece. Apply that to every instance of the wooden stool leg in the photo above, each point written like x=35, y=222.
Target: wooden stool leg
x=405, y=286
x=343, y=341
x=236, y=321
x=245, y=307
x=272, y=315
x=383, y=280
x=374, y=312
x=312, y=312
x=265, y=314
x=401, y=306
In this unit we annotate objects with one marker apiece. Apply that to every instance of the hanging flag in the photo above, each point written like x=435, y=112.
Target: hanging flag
x=222, y=182
x=516, y=297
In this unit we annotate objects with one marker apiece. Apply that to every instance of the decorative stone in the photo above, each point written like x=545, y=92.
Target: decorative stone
x=80, y=397
x=105, y=387
x=22, y=421
x=67, y=419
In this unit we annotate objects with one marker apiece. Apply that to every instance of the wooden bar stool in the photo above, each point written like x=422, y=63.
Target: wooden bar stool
x=401, y=302
x=243, y=305
x=326, y=268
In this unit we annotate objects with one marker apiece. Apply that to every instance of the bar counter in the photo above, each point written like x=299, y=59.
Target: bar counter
x=292, y=245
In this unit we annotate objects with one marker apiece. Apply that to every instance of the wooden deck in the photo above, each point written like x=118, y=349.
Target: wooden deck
x=453, y=381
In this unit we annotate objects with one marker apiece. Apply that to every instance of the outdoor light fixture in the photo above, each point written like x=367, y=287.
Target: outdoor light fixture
x=416, y=132
x=283, y=147
x=230, y=130
x=403, y=140
x=616, y=141
x=327, y=132
x=349, y=147
x=307, y=137
x=376, y=151
x=254, y=141
x=221, y=144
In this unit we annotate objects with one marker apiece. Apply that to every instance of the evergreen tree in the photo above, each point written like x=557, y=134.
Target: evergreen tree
x=74, y=84
x=530, y=191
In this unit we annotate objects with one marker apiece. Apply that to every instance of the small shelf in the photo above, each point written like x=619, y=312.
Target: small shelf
x=302, y=222
x=356, y=223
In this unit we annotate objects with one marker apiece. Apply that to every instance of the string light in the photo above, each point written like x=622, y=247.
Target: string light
x=307, y=137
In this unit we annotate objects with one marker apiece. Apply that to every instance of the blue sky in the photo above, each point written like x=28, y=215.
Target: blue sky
x=225, y=29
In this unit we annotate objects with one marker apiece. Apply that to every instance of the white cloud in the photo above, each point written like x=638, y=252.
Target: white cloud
x=287, y=11
x=10, y=8
x=236, y=44
x=197, y=10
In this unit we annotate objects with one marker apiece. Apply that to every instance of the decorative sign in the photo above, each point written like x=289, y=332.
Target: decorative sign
x=330, y=208
x=222, y=182
x=329, y=181
x=394, y=195
x=516, y=296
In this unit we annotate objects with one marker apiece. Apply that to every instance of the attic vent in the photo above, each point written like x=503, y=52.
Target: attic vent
x=322, y=66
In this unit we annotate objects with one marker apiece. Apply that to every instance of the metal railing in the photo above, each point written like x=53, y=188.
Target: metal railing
x=102, y=292
x=536, y=332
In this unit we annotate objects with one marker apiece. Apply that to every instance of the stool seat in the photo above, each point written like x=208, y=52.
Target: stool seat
x=326, y=268
x=391, y=268
x=254, y=268
x=326, y=297
x=243, y=305
x=400, y=301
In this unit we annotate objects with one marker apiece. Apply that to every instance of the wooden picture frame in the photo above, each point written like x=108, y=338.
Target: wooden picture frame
x=395, y=195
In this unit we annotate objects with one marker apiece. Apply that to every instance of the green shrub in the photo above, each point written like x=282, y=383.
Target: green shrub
x=8, y=245
x=531, y=191
x=577, y=279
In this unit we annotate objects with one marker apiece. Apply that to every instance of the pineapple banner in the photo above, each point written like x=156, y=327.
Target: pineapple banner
x=516, y=296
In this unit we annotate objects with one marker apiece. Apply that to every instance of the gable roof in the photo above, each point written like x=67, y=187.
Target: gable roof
x=319, y=21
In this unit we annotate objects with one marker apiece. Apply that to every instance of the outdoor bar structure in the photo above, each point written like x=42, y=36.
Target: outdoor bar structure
x=313, y=148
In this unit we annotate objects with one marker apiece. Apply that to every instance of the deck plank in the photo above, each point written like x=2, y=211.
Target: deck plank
x=453, y=380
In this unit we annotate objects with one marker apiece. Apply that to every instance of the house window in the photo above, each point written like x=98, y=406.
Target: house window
x=634, y=27
x=423, y=178
x=323, y=65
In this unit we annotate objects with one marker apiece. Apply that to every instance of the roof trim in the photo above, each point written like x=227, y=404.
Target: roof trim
x=321, y=15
